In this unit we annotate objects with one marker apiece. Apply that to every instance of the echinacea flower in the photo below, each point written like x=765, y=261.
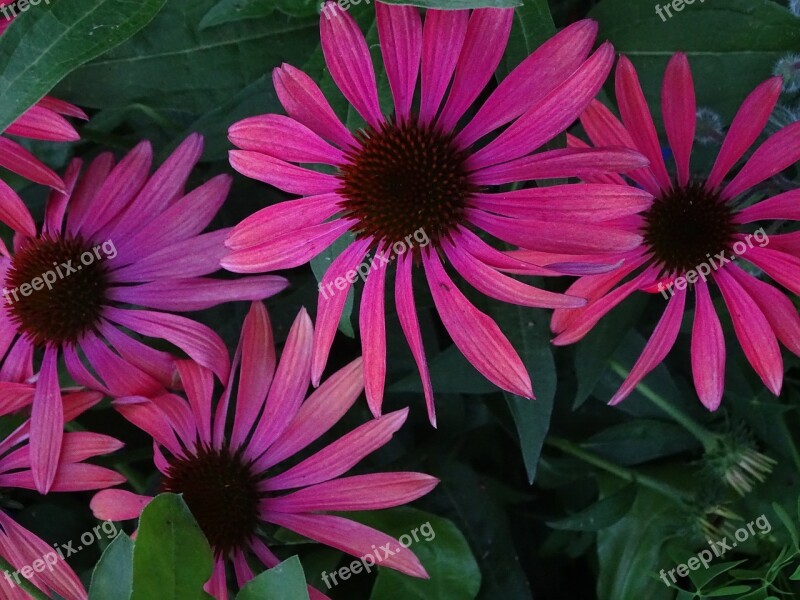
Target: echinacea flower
x=43, y=121
x=229, y=469
x=116, y=245
x=23, y=549
x=412, y=187
x=699, y=230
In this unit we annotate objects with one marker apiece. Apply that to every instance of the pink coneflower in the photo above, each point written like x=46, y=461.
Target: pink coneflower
x=413, y=186
x=118, y=237
x=227, y=469
x=43, y=121
x=700, y=226
x=20, y=547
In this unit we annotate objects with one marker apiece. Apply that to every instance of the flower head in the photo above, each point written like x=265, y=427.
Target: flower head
x=413, y=187
x=697, y=232
x=20, y=547
x=230, y=471
x=116, y=245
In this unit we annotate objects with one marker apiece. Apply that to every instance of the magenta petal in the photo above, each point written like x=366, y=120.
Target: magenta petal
x=199, y=385
x=745, y=129
x=281, y=174
x=400, y=34
x=679, y=107
x=372, y=322
x=484, y=44
x=783, y=268
x=475, y=334
x=360, y=492
x=257, y=370
x=407, y=314
x=284, y=138
x=708, y=350
x=47, y=423
x=14, y=213
x=348, y=536
x=118, y=505
x=57, y=201
x=18, y=160
x=306, y=104
x=330, y=303
x=780, y=207
x=82, y=200
x=198, y=341
x=40, y=123
x=658, y=346
x=779, y=152
x=443, y=37
x=753, y=331
x=347, y=56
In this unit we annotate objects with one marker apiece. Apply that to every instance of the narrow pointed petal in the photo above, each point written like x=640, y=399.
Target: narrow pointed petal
x=40, y=123
x=347, y=56
x=753, y=332
x=443, y=36
x=783, y=268
x=679, y=108
x=18, y=160
x=708, y=350
x=372, y=323
x=400, y=33
x=14, y=213
x=47, y=423
x=281, y=174
x=748, y=124
x=199, y=385
x=283, y=137
x=475, y=334
x=658, y=346
x=784, y=206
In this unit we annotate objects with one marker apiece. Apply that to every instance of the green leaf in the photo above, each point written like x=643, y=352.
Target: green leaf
x=602, y=514
x=171, y=559
x=284, y=581
x=173, y=65
x=756, y=34
x=113, y=576
x=50, y=40
x=787, y=521
x=227, y=11
x=438, y=544
x=730, y=590
x=451, y=373
x=640, y=441
x=454, y=4
x=528, y=333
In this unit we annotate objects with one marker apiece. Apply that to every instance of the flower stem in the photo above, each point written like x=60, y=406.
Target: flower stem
x=621, y=472
x=707, y=438
x=23, y=583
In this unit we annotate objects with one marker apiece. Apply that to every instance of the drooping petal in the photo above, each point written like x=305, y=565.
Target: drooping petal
x=47, y=423
x=372, y=323
x=708, y=350
x=658, y=346
x=475, y=334
x=753, y=332
x=679, y=108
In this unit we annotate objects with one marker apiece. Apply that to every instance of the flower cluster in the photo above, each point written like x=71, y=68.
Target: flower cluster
x=469, y=163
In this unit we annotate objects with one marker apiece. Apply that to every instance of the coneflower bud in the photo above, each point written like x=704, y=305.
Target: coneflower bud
x=709, y=127
x=788, y=67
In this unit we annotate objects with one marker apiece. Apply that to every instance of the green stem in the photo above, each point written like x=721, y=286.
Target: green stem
x=23, y=583
x=708, y=439
x=621, y=472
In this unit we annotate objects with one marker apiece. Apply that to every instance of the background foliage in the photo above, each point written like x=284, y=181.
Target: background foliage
x=563, y=497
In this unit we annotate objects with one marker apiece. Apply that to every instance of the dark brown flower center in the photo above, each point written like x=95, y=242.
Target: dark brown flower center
x=687, y=226
x=221, y=491
x=55, y=289
x=404, y=178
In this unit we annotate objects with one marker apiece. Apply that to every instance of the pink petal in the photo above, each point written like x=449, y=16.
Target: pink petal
x=281, y=174
x=658, y=346
x=283, y=137
x=475, y=334
x=14, y=213
x=57, y=200
x=306, y=104
x=679, y=107
x=159, y=365
x=150, y=418
x=199, y=385
x=121, y=377
x=82, y=200
x=753, y=331
x=361, y=492
x=745, y=129
x=118, y=505
x=47, y=423
x=18, y=160
x=347, y=56
x=62, y=108
x=40, y=123
x=400, y=34
x=372, y=323
x=484, y=44
x=443, y=37
x=783, y=206
x=708, y=350
x=69, y=478
x=783, y=268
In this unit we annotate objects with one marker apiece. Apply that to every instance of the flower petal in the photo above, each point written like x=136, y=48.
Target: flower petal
x=400, y=34
x=679, y=108
x=708, y=350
